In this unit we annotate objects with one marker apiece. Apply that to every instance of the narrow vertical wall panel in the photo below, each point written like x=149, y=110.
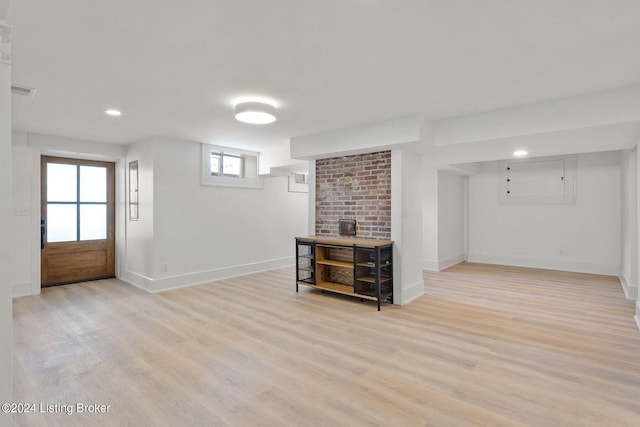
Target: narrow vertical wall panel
x=430, y=218
x=406, y=229
x=637, y=260
x=450, y=219
x=6, y=291
x=629, y=224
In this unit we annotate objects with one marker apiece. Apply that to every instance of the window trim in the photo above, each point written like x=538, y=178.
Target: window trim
x=221, y=156
x=78, y=203
x=134, y=196
x=298, y=187
x=249, y=173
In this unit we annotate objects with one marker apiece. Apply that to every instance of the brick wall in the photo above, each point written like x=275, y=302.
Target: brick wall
x=354, y=187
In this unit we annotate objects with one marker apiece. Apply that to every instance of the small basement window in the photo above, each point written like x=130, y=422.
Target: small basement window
x=229, y=167
x=223, y=164
x=299, y=182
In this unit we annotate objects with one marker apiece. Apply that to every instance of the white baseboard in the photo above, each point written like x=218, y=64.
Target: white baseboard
x=450, y=262
x=430, y=264
x=630, y=290
x=191, y=279
x=412, y=292
x=548, y=264
x=22, y=289
x=442, y=264
x=138, y=280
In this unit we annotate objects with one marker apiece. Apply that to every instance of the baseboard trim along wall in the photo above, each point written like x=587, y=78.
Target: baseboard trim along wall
x=630, y=289
x=450, y=262
x=443, y=264
x=191, y=279
x=547, y=264
x=430, y=265
x=137, y=280
x=411, y=293
x=22, y=289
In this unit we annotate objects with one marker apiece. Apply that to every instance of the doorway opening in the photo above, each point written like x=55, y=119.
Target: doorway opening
x=77, y=228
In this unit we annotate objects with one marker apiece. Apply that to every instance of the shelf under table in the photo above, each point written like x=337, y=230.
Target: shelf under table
x=339, y=289
x=335, y=263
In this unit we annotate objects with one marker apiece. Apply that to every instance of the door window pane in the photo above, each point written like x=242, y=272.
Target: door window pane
x=93, y=184
x=61, y=223
x=62, y=181
x=93, y=222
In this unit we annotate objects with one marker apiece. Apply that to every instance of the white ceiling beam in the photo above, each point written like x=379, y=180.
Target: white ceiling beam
x=594, y=109
x=402, y=132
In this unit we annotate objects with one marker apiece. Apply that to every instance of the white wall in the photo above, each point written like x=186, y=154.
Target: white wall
x=629, y=223
x=25, y=221
x=637, y=316
x=201, y=233
x=311, y=202
x=406, y=226
x=6, y=308
x=584, y=237
x=443, y=218
x=429, y=217
x=450, y=219
x=21, y=237
x=137, y=254
x=277, y=158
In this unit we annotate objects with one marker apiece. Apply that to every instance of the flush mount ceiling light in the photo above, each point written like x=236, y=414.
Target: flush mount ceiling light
x=520, y=153
x=112, y=112
x=255, y=113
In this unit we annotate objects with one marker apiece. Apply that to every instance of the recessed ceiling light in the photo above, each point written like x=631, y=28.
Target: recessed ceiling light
x=520, y=153
x=113, y=112
x=255, y=113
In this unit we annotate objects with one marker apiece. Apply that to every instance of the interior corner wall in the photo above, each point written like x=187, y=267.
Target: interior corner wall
x=189, y=233
x=136, y=259
x=629, y=223
x=443, y=218
x=429, y=218
x=582, y=237
x=450, y=219
x=6, y=307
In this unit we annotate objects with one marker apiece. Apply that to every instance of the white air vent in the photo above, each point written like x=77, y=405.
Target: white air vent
x=23, y=90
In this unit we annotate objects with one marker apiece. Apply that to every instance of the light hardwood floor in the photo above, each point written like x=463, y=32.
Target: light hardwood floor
x=486, y=346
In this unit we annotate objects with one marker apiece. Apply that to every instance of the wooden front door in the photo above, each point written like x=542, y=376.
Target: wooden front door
x=77, y=220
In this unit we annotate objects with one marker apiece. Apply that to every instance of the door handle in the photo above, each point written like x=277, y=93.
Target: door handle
x=42, y=233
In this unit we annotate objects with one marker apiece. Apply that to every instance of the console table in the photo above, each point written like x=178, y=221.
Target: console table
x=356, y=267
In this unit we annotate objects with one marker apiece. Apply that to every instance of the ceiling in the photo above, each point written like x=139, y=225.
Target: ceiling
x=176, y=68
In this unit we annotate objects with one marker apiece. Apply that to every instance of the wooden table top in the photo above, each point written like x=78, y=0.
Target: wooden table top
x=346, y=241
